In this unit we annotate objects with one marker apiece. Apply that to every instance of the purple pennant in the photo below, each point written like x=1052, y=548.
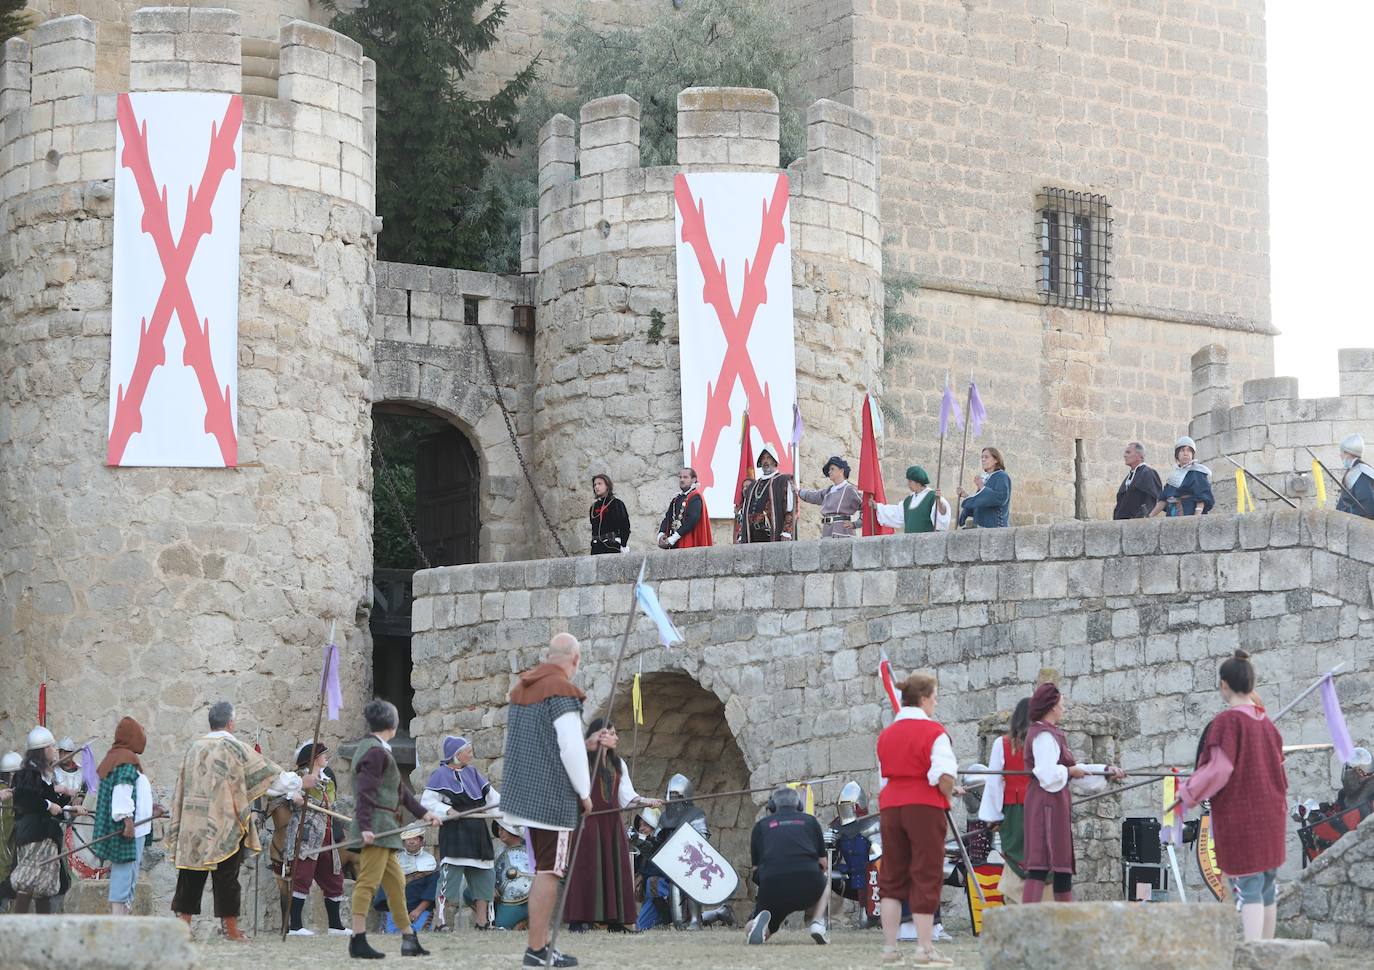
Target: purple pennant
x=977, y=414
x=796, y=427
x=88, y=775
x=949, y=406
x=333, y=693
x=1335, y=720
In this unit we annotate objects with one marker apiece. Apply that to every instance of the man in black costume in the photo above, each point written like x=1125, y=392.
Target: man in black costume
x=767, y=504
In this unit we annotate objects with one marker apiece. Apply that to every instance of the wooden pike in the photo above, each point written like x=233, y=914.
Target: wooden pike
x=289, y=868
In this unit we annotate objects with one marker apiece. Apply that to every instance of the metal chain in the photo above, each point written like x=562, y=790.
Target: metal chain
x=387, y=479
x=510, y=430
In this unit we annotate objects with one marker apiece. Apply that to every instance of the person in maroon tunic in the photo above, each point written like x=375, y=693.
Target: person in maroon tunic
x=1049, y=805
x=601, y=886
x=918, y=768
x=1240, y=768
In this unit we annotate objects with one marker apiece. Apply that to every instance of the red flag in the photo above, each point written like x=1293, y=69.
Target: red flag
x=746, y=463
x=885, y=675
x=43, y=704
x=871, y=476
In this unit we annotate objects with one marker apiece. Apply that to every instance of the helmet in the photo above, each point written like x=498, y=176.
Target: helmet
x=1185, y=442
x=66, y=744
x=1361, y=759
x=680, y=789
x=12, y=761
x=1353, y=444
x=40, y=737
x=784, y=799
x=853, y=801
x=650, y=816
x=516, y=830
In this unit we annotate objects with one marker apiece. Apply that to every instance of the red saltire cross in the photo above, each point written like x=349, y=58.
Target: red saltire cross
x=735, y=325
x=176, y=258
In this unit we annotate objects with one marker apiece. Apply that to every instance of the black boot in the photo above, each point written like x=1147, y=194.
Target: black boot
x=359, y=950
x=297, y=911
x=410, y=946
x=331, y=908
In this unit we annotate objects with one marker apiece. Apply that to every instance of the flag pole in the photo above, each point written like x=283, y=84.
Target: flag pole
x=940, y=455
x=562, y=900
x=963, y=451
x=289, y=866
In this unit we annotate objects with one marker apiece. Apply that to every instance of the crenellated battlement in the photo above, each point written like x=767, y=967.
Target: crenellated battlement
x=1271, y=429
x=318, y=133
x=594, y=197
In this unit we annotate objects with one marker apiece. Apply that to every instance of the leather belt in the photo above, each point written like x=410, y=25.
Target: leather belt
x=827, y=519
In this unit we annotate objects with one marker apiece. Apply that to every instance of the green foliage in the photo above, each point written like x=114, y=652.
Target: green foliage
x=706, y=43
x=656, y=324
x=13, y=19
x=897, y=323
x=434, y=142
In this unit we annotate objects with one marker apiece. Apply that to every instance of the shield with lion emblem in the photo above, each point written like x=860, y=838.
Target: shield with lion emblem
x=697, y=867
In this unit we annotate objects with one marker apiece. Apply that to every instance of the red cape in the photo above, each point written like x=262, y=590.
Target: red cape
x=701, y=532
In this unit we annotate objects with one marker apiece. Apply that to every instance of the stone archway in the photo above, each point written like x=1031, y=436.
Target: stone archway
x=685, y=731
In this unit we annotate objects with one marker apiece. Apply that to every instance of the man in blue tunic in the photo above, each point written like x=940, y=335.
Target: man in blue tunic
x=1357, y=497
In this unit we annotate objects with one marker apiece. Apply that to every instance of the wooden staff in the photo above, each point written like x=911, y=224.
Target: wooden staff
x=289, y=868
x=87, y=845
x=940, y=454
x=1341, y=483
x=350, y=843
x=562, y=899
x=963, y=450
x=636, y=805
x=1255, y=478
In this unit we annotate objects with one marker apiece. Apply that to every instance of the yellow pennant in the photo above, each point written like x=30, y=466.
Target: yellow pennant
x=808, y=796
x=1319, y=477
x=1170, y=794
x=637, y=701
x=1244, y=501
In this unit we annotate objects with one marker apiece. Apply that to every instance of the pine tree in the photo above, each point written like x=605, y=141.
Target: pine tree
x=13, y=19
x=435, y=142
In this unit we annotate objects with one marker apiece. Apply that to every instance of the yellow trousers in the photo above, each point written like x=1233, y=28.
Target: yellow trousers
x=380, y=867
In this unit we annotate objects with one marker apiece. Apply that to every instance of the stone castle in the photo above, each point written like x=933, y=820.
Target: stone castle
x=952, y=132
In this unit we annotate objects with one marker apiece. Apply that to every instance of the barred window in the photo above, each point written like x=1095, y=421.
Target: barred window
x=1074, y=242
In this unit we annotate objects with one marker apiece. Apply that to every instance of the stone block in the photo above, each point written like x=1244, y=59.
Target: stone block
x=1283, y=955
x=1217, y=533
x=1140, y=537
x=1066, y=540
x=95, y=943
x=1032, y=542
x=1120, y=935
x=1102, y=538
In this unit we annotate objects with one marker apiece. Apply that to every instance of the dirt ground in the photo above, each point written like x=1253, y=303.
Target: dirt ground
x=711, y=949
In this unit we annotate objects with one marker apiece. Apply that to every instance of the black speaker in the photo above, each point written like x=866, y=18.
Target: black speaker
x=1140, y=841
x=1135, y=876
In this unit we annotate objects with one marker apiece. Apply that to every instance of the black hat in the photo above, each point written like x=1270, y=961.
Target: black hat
x=838, y=462
x=303, y=757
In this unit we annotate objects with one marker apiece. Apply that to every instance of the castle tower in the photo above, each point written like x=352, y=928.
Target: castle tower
x=152, y=591
x=607, y=385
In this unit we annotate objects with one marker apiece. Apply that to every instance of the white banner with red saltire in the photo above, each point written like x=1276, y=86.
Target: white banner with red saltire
x=175, y=291
x=735, y=337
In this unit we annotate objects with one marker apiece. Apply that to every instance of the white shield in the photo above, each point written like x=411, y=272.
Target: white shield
x=697, y=868
x=735, y=336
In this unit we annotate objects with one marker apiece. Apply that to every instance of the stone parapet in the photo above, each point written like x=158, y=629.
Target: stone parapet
x=1333, y=899
x=1125, y=936
x=1134, y=616
x=1270, y=431
x=95, y=943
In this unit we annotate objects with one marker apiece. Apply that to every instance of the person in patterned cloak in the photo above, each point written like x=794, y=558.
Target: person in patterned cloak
x=210, y=829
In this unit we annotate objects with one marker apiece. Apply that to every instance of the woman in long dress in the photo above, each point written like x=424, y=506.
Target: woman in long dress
x=601, y=889
x=1240, y=770
x=1049, y=805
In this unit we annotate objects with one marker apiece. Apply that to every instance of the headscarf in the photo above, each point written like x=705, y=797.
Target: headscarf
x=917, y=474
x=1043, y=701
x=467, y=780
x=129, y=742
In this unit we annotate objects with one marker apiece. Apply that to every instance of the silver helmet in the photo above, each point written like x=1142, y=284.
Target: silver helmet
x=853, y=801
x=680, y=789
x=12, y=761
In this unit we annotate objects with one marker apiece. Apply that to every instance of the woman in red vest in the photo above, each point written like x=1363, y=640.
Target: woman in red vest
x=1049, y=805
x=1004, y=798
x=918, y=770
x=1241, y=770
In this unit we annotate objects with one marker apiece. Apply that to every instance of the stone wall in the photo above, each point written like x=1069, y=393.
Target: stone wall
x=607, y=392
x=1333, y=899
x=428, y=356
x=259, y=20
x=1134, y=616
x=1270, y=431
x=154, y=591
